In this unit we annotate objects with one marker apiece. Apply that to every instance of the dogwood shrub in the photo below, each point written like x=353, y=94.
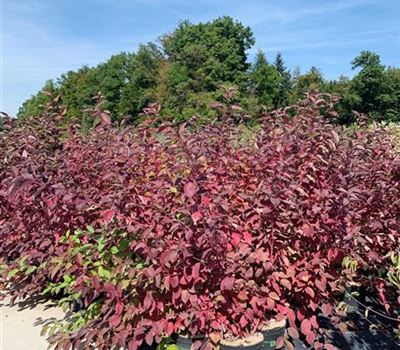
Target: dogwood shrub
x=193, y=229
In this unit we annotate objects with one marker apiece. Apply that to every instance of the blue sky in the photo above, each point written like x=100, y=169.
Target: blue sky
x=44, y=38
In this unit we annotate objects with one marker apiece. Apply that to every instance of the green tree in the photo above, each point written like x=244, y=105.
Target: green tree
x=174, y=87
x=111, y=78
x=195, y=61
x=265, y=80
x=342, y=87
x=377, y=88
x=389, y=99
x=140, y=80
x=35, y=105
x=313, y=80
x=212, y=53
x=368, y=83
x=285, y=83
x=76, y=90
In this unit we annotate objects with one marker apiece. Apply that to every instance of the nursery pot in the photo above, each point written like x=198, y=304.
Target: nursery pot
x=271, y=332
x=185, y=342
x=254, y=342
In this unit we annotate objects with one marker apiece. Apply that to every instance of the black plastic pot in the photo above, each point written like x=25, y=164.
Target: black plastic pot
x=271, y=336
x=185, y=343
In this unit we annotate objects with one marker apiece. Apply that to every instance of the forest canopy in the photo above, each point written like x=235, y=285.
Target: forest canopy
x=194, y=64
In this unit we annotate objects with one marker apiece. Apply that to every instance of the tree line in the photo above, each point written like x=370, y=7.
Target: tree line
x=193, y=66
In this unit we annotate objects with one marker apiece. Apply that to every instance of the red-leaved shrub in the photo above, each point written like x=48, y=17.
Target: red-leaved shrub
x=208, y=230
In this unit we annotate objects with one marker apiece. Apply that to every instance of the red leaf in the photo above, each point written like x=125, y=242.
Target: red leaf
x=205, y=200
x=313, y=306
x=115, y=320
x=274, y=296
x=105, y=118
x=168, y=257
x=148, y=301
x=143, y=199
x=321, y=285
x=247, y=237
x=197, y=345
x=149, y=338
x=235, y=239
x=108, y=215
x=243, y=321
x=189, y=189
x=169, y=329
x=196, y=216
x=289, y=345
x=307, y=230
x=310, y=292
x=293, y=332
x=326, y=309
x=196, y=271
x=52, y=201
x=305, y=326
x=291, y=316
x=185, y=296
x=133, y=345
x=174, y=281
x=227, y=283
x=215, y=337
x=119, y=307
x=286, y=283
x=243, y=296
x=271, y=303
x=313, y=321
x=280, y=342
x=123, y=335
x=310, y=337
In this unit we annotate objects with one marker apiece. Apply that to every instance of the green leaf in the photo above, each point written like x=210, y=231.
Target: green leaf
x=68, y=279
x=101, y=244
x=22, y=261
x=44, y=330
x=123, y=245
x=30, y=270
x=90, y=229
x=12, y=273
x=74, y=251
x=103, y=273
x=114, y=250
x=52, y=330
x=173, y=190
x=172, y=347
x=76, y=239
x=125, y=283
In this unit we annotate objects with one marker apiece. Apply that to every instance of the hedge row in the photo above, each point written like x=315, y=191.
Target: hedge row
x=212, y=230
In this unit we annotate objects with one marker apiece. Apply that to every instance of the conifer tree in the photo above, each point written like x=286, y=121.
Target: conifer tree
x=285, y=83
